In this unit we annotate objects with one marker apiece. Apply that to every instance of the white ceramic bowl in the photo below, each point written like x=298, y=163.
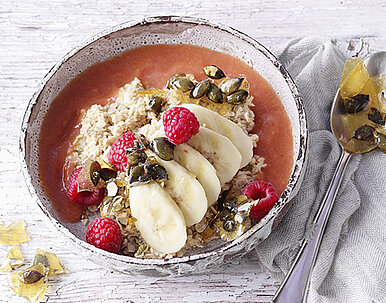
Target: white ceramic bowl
x=164, y=30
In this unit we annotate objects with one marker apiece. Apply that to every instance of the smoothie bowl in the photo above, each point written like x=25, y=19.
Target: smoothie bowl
x=186, y=137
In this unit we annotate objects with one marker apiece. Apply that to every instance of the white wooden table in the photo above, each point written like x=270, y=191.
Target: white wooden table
x=35, y=34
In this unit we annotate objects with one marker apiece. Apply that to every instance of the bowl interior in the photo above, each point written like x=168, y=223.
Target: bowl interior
x=162, y=30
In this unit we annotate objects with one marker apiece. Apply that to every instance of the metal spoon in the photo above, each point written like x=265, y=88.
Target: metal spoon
x=294, y=288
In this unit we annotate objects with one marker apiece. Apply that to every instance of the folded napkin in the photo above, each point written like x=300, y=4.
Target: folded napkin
x=351, y=266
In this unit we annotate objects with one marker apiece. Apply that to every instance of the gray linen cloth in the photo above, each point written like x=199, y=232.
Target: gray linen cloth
x=351, y=266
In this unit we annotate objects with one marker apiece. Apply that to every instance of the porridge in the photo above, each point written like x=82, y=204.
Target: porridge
x=203, y=186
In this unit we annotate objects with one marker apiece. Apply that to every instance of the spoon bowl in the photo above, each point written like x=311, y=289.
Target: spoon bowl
x=340, y=122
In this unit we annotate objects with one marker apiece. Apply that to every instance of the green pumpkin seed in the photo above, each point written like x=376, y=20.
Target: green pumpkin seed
x=172, y=78
x=141, y=142
x=200, y=89
x=156, y=172
x=231, y=85
x=381, y=141
x=144, y=178
x=183, y=84
x=169, y=83
x=214, y=94
x=107, y=173
x=30, y=276
x=135, y=157
x=155, y=103
x=229, y=225
x=41, y=259
x=212, y=71
x=237, y=97
x=225, y=214
x=135, y=174
x=163, y=148
x=365, y=132
x=230, y=203
x=356, y=103
x=376, y=116
x=94, y=172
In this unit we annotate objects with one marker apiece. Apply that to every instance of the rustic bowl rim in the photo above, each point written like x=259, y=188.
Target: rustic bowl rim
x=294, y=181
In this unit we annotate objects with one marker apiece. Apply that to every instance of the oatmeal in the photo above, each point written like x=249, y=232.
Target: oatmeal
x=163, y=188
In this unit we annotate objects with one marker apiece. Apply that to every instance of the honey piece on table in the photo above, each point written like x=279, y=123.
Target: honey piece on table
x=31, y=283
x=12, y=260
x=13, y=233
x=50, y=261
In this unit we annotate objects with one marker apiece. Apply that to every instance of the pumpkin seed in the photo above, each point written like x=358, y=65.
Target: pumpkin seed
x=144, y=178
x=88, y=178
x=30, y=276
x=155, y=103
x=381, y=141
x=141, y=142
x=230, y=203
x=237, y=97
x=39, y=258
x=135, y=157
x=376, y=116
x=135, y=173
x=221, y=199
x=231, y=85
x=229, y=225
x=214, y=94
x=225, y=214
x=183, y=84
x=365, y=132
x=94, y=172
x=172, y=78
x=156, y=172
x=163, y=148
x=200, y=89
x=107, y=174
x=212, y=71
x=356, y=103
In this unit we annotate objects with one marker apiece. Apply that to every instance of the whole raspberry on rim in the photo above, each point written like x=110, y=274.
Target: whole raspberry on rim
x=84, y=198
x=117, y=155
x=105, y=234
x=180, y=124
x=265, y=195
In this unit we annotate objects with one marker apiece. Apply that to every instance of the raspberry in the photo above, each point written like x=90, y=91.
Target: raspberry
x=180, y=124
x=265, y=195
x=117, y=155
x=105, y=234
x=85, y=198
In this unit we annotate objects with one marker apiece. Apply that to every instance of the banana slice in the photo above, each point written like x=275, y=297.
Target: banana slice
x=220, y=151
x=158, y=218
x=225, y=127
x=199, y=166
x=185, y=190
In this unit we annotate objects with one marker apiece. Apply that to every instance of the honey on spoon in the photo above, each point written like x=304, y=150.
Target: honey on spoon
x=358, y=116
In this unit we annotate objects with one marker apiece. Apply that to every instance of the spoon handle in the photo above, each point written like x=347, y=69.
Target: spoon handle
x=296, y=283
